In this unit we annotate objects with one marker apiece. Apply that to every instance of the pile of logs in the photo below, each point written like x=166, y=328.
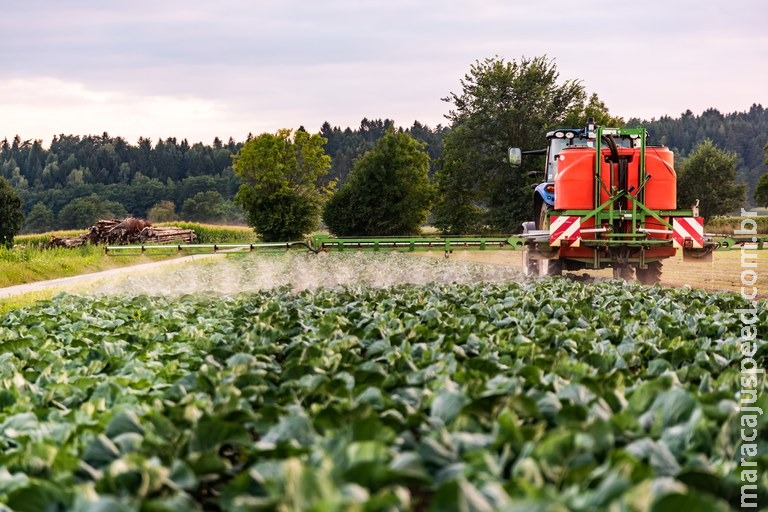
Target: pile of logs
x=124, y=232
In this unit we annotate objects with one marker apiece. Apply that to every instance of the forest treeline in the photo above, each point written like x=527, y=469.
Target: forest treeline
x=744, y=133
x=79, y=178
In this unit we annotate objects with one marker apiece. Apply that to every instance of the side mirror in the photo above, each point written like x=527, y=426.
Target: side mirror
x=515, y=157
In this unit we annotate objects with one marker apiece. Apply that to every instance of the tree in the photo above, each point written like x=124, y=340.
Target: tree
x=162, y=211
x=40, y=219
x=501, y=104
x=743, y=132
x=387, y=193
x=761, y=192
x=709, y=176
x=12, y=173
x=140, y=195
x=595, y=109
x=204, y=207
x=232, y=214
x=86, y=211
x=11, y=216
x=281, y=192
x=458, y=209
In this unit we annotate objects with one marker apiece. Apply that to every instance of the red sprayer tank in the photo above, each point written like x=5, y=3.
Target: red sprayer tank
x=575, y=183
x=661, y=189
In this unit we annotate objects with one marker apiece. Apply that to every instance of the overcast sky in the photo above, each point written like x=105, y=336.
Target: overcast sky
x=201, y=69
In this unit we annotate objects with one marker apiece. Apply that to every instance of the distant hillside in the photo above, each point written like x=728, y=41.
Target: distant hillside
x=744, y=133
x=80, y=178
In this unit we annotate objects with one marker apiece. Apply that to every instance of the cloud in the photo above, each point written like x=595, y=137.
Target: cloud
x=34, y=106
x=204, y=69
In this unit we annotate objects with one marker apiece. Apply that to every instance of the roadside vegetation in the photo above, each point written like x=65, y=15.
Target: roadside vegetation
x=28, y=264
x=28, y=261
x=727, y=225
x=215, y=234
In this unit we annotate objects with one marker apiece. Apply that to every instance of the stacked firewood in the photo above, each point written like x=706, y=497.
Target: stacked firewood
x=124, y=232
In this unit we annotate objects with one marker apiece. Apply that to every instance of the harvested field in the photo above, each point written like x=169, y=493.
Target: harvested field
x=722, y=274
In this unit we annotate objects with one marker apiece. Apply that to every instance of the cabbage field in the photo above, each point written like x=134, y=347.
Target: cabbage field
x=472, y=393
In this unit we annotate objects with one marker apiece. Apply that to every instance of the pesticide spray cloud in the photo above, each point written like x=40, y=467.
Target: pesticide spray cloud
x=301, y=271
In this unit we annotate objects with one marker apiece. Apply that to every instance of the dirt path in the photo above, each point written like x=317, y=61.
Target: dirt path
x=78, y=282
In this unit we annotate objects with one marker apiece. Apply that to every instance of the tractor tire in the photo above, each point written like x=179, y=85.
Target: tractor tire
x=550, y=268
x=542, y=219
x=530, y=266
x=540, y=267
x=651, y=275
x=625, y=272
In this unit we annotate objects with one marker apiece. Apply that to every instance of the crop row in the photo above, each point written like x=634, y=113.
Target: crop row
x=551, y=395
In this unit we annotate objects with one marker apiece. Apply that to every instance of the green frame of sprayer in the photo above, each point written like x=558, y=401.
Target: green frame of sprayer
x=414, y=244
x=606, y=212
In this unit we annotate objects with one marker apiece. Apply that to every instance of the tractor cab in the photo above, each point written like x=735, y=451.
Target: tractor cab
x=557, y=141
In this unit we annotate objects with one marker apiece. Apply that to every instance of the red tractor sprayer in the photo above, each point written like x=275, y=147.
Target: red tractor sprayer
x=609, y=200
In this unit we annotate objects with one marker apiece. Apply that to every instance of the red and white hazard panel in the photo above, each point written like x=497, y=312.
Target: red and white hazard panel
x=688, y=232
x=565, y=228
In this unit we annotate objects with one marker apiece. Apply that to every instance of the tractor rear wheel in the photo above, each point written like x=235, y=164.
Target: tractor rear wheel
x=651, y=275
x=625, y=272
x=540, y=267
x=530, y=266
x=542, y=221
x=550, y=267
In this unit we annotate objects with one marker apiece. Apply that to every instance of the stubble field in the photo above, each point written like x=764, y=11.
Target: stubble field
x=722, y=274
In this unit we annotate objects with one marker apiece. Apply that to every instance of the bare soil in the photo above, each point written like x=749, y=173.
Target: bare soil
x=722, y=274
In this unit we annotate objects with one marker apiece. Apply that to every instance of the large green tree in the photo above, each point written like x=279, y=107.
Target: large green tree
x=204, y=207
x=86, y=211
x=387, y=193
x=11, y=216
x=761, y=192
x=281, y=192
x=501, y=104
x=40, y=219
x=708, y=175
x=162, y=211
